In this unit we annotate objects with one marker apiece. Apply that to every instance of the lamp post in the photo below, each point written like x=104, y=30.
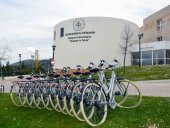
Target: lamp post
x=53, y=47
x=140, y=36
x=52, y=60
x=20, y=63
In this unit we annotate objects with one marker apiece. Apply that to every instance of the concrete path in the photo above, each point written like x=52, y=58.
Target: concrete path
x=154, y=87
x=7, y=82
x=148, y=88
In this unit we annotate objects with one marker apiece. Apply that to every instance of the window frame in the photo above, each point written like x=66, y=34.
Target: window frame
x=159, y=24
x=159, y=38
x=62, y=32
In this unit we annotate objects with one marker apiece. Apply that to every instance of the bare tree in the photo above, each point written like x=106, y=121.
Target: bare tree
x=4, y=52
x=4, y=55
x=128, y=40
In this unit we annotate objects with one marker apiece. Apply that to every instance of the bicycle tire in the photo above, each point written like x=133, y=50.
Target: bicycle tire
x=94, y=105
x=134, y=96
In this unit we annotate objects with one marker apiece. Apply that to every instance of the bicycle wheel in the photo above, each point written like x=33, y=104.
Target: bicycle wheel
x=67, y=98
x=75, y=101
x=94, y=105
x=22, y=95
x=132, y=94
x=14, y=94
x=37, y=97
x=53, y=96
x=60, y=97
x=29, y=97
x=118, y=93
x=45, y=97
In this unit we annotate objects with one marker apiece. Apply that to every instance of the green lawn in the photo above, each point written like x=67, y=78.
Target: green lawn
x=153, y=111
x=145, y=72
x=149, y=72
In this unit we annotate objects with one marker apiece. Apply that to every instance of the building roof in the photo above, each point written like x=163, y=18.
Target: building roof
x=152, y=46
x=159, y=13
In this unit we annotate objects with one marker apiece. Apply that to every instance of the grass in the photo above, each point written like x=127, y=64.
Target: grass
x=149, y=72
x=145, y=72
x=134, y=73
x=154, y=112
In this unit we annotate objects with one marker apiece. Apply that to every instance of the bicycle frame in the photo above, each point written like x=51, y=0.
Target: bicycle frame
x=111, y=86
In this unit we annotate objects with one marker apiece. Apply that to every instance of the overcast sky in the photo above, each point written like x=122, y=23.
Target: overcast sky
x=26, y=25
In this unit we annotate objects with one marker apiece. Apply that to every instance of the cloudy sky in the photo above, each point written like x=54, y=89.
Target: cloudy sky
x=26, y=25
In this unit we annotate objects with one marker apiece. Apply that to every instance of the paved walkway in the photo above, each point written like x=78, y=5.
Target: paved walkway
x=148, y=88
x=7, y=82
x=154, y=87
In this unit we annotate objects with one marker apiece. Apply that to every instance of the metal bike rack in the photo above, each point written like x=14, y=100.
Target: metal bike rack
x=2, y=89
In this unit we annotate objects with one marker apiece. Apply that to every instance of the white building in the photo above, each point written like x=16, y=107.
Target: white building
x=155, y=46
x=89, y=39
x=153, y=53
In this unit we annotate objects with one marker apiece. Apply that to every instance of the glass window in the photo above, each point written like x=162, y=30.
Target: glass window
x=168, y=53
x=167, y=61
x=146, y=54
x=61, y=32
x=158, y=61
x=159, y=38
x=135, y=55
x=135, y=62
x=168, y=56
x=159, y=24
x=135, y=58
x=158, y=54
x=146, y=61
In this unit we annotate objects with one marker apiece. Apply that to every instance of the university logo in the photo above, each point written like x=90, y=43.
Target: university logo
x=78, y=24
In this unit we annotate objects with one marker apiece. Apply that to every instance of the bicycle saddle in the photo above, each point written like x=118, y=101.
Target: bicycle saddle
x=28, y=78
x=56, y=75
x=77, y=73
x=95, y=70
x=36, y=76
x=20, y=77
x=51, y=74
x=67, y=75
x=43, y=76
x=86, y=73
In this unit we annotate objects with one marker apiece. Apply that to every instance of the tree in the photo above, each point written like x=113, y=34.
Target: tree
x=23, y=65
x=4, y=52
x=8, y=68
x=128, y=40
x=4, y=55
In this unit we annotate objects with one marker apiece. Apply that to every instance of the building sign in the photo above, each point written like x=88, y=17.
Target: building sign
x=79, y=35
x=147, y=47
x=78, y=24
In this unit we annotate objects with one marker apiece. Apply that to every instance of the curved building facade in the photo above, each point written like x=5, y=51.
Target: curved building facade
x=90, y=39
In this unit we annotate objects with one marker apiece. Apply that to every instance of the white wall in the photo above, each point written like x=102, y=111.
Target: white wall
x=104, y=44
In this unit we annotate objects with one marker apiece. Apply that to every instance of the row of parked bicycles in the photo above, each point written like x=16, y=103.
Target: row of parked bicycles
x=85, y=94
